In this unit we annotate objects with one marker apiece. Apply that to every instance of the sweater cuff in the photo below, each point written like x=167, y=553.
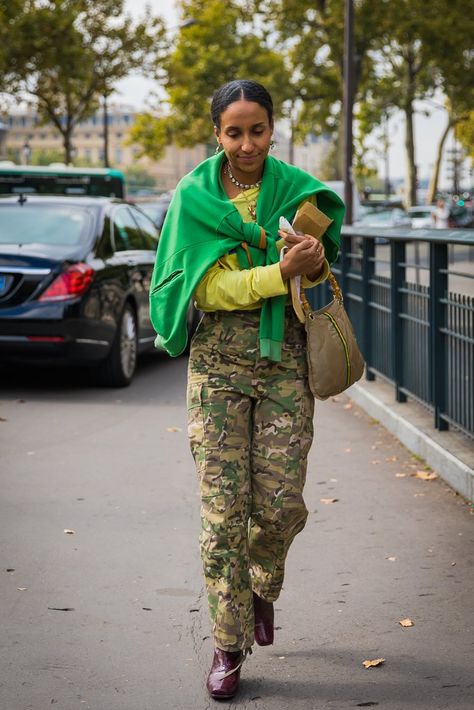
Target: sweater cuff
x=306, y=283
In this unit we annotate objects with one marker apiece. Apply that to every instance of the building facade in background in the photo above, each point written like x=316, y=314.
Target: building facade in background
x=26, y=140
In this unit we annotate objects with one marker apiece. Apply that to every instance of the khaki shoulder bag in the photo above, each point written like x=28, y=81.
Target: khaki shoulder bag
x=334, y=359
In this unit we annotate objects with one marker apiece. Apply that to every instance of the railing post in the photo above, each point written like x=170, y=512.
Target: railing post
x=345, y=261
x=397, y=256
x=438, y=365
x=368, y=268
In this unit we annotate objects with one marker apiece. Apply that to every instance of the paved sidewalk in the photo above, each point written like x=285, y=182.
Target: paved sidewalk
x=115, y=467
x=391, y=547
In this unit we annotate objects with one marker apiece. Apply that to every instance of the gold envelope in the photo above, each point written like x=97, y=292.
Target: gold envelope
x=310, y=220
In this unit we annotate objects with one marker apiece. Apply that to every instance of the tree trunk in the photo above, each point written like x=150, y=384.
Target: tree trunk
x=433, y=188
x=410, y=184
x=67, y=142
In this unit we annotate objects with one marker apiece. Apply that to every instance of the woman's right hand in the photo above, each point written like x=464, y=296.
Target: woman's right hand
x=305, y=257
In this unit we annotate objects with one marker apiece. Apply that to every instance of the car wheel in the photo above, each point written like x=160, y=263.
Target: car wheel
x=118, y=368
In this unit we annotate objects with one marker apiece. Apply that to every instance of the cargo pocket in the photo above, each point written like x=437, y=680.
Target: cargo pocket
x=196, y=423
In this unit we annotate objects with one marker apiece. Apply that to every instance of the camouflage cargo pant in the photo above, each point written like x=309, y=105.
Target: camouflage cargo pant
x=250, y=429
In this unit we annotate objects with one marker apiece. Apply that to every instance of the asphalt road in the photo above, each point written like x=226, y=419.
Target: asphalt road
x=112, y=616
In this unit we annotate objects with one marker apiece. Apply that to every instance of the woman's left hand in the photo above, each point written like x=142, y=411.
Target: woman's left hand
x=316, y=252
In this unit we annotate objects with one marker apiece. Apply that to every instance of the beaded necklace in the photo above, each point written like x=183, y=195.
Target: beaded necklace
x=242, y=185
x=251, y=205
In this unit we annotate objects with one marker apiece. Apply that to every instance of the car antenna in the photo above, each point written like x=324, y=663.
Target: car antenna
x=22, y=199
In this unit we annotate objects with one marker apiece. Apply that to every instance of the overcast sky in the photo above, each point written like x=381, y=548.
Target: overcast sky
x=135, y=90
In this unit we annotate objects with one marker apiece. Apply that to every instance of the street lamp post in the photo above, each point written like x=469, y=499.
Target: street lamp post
x=106, y=130
x=348, y=97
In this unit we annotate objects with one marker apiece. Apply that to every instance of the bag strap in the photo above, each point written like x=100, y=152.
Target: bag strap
x=300, y=302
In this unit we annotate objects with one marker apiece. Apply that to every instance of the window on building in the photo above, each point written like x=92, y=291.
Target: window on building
x=118, y=155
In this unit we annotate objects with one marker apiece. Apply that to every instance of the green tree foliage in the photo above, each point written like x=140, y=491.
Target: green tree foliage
x=465, y=135
x=223, y=44
x=76, y=50
x=45, y=156
x=454, y=57
x=312, y=36
x=138, y=177
x=420, y=48
x=13, y=57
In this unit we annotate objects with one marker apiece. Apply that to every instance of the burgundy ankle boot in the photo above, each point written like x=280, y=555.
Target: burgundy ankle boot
x=264, y=617
x=224, y=676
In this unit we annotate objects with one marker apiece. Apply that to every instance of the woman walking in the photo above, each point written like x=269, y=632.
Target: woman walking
x=249, y=405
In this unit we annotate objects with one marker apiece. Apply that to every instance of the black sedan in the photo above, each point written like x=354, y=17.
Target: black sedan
x=74, y=281
x=156, y=209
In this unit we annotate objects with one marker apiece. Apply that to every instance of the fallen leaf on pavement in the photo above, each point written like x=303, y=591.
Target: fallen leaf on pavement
x=425, y=475
x=391, y=559
x=375, y=662
x=174, y=428
x=22, y=589
x=327, y=501
x=400, y=475
x=391, y=458
x=348, y=405
x=375, y=461
x=348, y=451
x=3, y=419
x=69, y=532
x=406, y=623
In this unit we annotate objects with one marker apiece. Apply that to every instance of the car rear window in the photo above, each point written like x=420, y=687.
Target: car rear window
x=47, y=224
x=156, y=212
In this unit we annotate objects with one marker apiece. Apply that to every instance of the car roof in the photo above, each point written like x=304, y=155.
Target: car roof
x=54, y=199
x=79, y=200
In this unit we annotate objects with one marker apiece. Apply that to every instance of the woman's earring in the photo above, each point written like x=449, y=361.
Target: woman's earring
x=218, y=148
x=272, y=144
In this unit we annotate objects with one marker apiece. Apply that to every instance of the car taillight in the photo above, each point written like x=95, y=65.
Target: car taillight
x=71, y=283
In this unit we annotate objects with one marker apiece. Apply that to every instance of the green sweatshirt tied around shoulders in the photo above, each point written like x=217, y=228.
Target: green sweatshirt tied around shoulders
x=202, y=225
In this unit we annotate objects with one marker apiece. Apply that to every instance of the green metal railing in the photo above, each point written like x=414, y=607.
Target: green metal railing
x=410, y=296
